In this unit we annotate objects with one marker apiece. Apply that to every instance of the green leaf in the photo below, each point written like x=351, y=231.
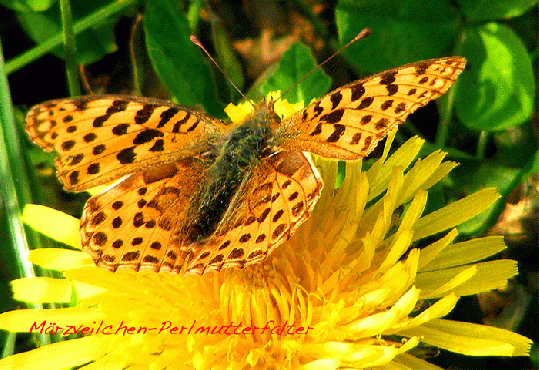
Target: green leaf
x=296, y=63
x=178, y=62
x=534, y=165
x=497, y=89
x=480, y=175
x=402, y=32
x=27, y=5
x=92, y=44
x=228, y=60
x=516, y=145
x=488, y=10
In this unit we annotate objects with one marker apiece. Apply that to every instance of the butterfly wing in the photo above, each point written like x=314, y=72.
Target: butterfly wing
x=268, y=207
x=100, y=138
x=348, y=122
x=131, y=224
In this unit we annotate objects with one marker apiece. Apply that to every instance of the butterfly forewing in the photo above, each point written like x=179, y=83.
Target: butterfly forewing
x=348, y=122
x=270, y=205
x=101, y=138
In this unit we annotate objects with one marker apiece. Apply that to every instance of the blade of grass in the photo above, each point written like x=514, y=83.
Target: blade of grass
x=446, y=113
x=137, y=64
x=69, y=49
x=9, y=345
x=93, y=20
x=482, y=145
x=14, y=185
x=446, y=105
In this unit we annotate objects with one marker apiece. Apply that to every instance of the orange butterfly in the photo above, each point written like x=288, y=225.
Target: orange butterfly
x=196, y=194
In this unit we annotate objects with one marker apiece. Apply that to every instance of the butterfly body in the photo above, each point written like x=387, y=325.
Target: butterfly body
x=195, y=194
x=230, y=164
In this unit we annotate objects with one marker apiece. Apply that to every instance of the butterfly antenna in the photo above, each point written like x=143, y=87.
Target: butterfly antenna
x=197, y=42
x=361, y=35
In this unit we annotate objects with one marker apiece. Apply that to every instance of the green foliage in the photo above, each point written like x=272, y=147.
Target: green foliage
x=28, y=5
x=295, y=64
x=92, y=45
x=488, y=10
x=178, y=62
x=402, y=31
x=496, y=92
x=498, y=89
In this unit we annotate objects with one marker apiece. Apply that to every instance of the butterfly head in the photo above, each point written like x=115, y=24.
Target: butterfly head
x=264, y=113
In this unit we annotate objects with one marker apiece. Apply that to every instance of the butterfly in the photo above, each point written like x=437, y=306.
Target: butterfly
x=193, y=194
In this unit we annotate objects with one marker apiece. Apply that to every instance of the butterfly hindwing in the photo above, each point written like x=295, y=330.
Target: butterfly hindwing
x=131, y=224
x=348, y=122
x=269, y=206
x=100, y=138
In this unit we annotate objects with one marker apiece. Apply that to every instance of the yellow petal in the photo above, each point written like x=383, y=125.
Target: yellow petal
x=237, y=113
x=455, y=213
x=406, y=361
x=55, y=224
x=60, y=259
x=284, y=109
x=431, y=251
x=42, y=290
x=472, y=339
x=379, y=174
x=359, y=354
x=98, y=189
x=442, y=171
x=489, y=275
x=421, y=171
x=451, y=285
x=23, y=321
x=377, y=323
x=61, y=355
x=414, y=211
x=439, y=309
x=323, y=364
x=467, y=252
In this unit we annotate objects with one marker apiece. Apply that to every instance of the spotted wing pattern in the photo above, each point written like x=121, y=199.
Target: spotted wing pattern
x=141, y=221
x=348, y=122
x=131, y=225
x=100, y=138
x=269, y=206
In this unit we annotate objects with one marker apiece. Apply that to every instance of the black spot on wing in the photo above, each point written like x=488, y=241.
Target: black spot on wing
x=365, y=103
x=127, y=155
x=88, y=138
x=144, y=114
x=117, y=106
x=357, y=91
x=166, y=116
x=158, y=146
x=146, y=136
x=120, y=129
x=98, y=149
x=338, y=131
x=178, y=125
x=335, y=99
x=333, y=117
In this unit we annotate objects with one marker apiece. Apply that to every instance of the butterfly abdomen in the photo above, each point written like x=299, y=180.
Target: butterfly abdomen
x=244, y=147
